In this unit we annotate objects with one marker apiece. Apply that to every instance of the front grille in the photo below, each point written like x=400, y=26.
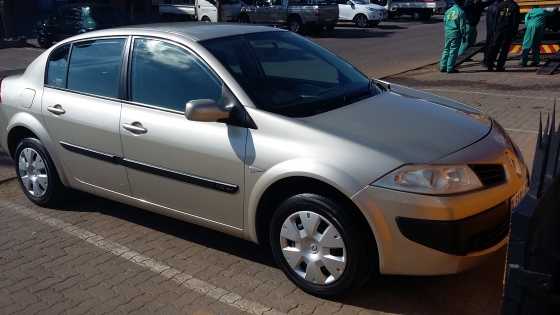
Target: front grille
x=490, y=174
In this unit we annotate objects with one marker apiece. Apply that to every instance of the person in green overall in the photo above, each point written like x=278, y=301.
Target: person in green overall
x=455, y=30
x=535, y=21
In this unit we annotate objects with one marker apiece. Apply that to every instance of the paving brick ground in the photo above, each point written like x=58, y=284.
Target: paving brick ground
x=49, y=270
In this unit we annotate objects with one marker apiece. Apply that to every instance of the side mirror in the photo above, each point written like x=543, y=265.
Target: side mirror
x=206, y=110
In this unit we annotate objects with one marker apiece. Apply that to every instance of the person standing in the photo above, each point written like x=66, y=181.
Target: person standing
x=535, y=21
x=504, y=27
x=455, y=30
x=473, y=10
x=490, y=26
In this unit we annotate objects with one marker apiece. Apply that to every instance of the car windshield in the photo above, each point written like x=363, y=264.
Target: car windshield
x=287, y=74
x=361, y=1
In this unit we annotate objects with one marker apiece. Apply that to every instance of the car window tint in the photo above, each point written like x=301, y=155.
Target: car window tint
x=95, y=67
x=56, y=67
x=282, y=59
x=168, y=76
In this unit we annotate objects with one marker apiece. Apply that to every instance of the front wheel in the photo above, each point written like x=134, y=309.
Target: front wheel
x=37, y=174
x=319, y=244
x=361, y=21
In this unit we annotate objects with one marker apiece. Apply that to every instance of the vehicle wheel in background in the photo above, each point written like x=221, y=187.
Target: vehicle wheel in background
x=36, y=173
x=205, y=19
x=295, y=25
x=361, y=20
x=244, y=18
x=424, y=15
x=321, y=245
x=44, y=42
x=374, y=23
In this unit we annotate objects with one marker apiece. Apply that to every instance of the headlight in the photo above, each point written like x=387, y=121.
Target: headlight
x=431, y=179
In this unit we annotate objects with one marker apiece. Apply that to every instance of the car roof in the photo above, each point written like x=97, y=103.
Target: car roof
x=196, y=31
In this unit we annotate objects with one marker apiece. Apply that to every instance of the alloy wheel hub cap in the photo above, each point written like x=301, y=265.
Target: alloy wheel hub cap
x=313, y=247
x=33, y=172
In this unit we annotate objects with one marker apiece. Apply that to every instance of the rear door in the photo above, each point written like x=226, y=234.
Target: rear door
x=173, y=163
x=81, y=108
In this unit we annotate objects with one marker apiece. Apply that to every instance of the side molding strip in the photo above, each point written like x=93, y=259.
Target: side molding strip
x=147, y=168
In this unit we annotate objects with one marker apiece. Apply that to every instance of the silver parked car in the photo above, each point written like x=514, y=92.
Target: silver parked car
x=262, y=134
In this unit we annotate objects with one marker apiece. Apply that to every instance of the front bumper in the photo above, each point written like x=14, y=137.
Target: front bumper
x=430, y=235
x=377, y=15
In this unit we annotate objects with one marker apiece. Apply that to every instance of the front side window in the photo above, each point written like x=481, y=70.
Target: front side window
x=95, y=67
x=56, y=67
x=168, y=76
x=286, y=74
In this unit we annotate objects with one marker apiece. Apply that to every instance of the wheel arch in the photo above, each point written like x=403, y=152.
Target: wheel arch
x=295, y=16
x=23, y=125
x=271, y=189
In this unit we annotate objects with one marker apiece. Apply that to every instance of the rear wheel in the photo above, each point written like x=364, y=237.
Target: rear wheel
x=36, y=173
x=361, y=21
x=205, y=19
x=320, y=245
x=295, y=25
x=44, y=41
x=244, y=18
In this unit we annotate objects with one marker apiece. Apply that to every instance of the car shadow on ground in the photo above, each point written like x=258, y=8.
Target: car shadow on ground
x=18, y=43
x=407, y=19
x=474, y=292
x=350, y=25
x=349, y=33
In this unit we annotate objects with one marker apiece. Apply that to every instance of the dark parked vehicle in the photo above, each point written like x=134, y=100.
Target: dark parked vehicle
x=75, y=19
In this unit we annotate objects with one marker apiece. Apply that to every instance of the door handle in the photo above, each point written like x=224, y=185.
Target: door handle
x=135, y=127
x=56, y=109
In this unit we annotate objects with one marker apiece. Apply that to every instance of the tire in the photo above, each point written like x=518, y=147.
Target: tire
x=361, y=21
x=206, y=19
x=44, y=42
x=324, y=277
x=424, y=15
x=244, y=18
x=47, y=192
x=295, y=25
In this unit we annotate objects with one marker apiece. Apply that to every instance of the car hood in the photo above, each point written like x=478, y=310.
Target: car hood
x=408, y=129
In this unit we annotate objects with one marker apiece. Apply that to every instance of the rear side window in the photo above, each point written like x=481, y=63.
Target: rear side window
x=95, y=67
x=168, y=76
x=56, y=67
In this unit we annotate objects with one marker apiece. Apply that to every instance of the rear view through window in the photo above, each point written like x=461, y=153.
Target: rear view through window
x=95, y=67
x=56, y=67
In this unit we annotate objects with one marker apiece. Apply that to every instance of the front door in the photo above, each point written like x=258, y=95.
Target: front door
x=191, y=167
x=81, y=109
x=345, y=11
